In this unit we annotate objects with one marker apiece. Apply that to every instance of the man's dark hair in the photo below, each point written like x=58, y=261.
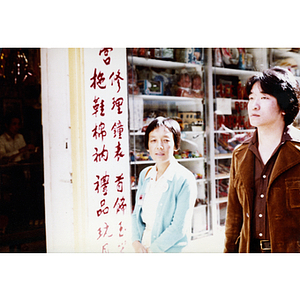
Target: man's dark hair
x=281, y=84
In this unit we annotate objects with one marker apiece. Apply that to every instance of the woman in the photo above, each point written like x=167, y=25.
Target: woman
x=166, y=194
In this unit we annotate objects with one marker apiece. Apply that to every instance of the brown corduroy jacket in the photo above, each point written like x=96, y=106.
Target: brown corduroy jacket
x=283, y=199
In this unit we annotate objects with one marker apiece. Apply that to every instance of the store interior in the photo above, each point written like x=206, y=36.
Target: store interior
x=204, y=90
x=22, y=215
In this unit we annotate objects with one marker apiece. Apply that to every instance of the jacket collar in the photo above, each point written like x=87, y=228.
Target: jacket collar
x=290, y=156
x=290, y=133
x=285, y=160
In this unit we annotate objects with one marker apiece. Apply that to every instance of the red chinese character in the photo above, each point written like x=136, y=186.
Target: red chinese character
x=121, y=246
x=98, y=106
x=97, y=183
x=118, y=128
x=104, y=210
x=121, y=205
x=103, y=154
x=99, y=131
x=119, y=183
x=119, y=153
x=102, y=113
x=105, y=51
x=104, y=249
x=105, y=232
x=121, y=229
x=117, y=79
x=117, y=103
x=104, y=183
x=98, y=80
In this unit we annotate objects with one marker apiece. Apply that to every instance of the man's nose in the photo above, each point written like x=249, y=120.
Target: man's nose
x=255, y=104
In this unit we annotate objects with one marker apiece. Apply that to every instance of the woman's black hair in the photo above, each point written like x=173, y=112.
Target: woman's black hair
x=281, y=84
x=170, y=124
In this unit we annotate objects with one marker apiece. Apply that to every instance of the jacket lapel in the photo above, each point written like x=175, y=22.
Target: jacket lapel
x=287, y=158
x=246, y=175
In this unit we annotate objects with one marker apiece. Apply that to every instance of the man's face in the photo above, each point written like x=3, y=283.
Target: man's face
x=14, y=126
x=263, y=108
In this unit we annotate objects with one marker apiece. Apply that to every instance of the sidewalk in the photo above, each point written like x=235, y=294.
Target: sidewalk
x=209, y=244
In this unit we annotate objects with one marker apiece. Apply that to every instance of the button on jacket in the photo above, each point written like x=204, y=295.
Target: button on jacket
x=282, y=197
x=174, y=211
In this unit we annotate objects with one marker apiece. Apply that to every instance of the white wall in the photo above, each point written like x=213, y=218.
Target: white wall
x=57, y=150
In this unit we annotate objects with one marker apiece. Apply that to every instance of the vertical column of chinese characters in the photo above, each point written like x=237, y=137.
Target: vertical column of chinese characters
x=108, y=153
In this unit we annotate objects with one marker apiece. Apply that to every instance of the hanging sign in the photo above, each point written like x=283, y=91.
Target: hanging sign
x=109, y=207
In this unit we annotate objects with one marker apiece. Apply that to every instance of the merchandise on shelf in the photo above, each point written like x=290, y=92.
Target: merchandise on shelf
x=133, y=88
x=140, y=156
x=189, y=85
x=189, y=55
x=289, y=63
x=249, y=61
x=190, y=120
x=184, y=86
x=242, y=62
x=226, y=86
x=230, y=57
x=151, y=87
x=222, y=168
x=197, y=91
x=217, y=57
x=222, y=188
x=154, y=53
x=233, y=58
x=185, y=154
x=155, y=81
x=158, y=73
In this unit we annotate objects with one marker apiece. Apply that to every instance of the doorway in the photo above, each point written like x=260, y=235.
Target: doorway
x=22, y=211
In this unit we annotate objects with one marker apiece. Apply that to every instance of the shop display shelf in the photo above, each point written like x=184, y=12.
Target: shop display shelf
x=233, y=72
x=156, y=63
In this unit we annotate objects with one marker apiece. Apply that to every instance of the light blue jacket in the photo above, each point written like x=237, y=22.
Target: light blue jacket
x=174, y=211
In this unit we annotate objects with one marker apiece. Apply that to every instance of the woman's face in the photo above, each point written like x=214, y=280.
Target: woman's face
x=161, y=144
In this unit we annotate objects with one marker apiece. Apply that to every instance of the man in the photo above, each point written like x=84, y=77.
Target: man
x=263, y=212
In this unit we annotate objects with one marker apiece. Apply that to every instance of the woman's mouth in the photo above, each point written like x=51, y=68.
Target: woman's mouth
x=159, y=154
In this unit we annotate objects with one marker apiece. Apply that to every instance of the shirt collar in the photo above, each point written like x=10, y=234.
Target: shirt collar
x=253, y=141
x=169, y=172
x=8, y=137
